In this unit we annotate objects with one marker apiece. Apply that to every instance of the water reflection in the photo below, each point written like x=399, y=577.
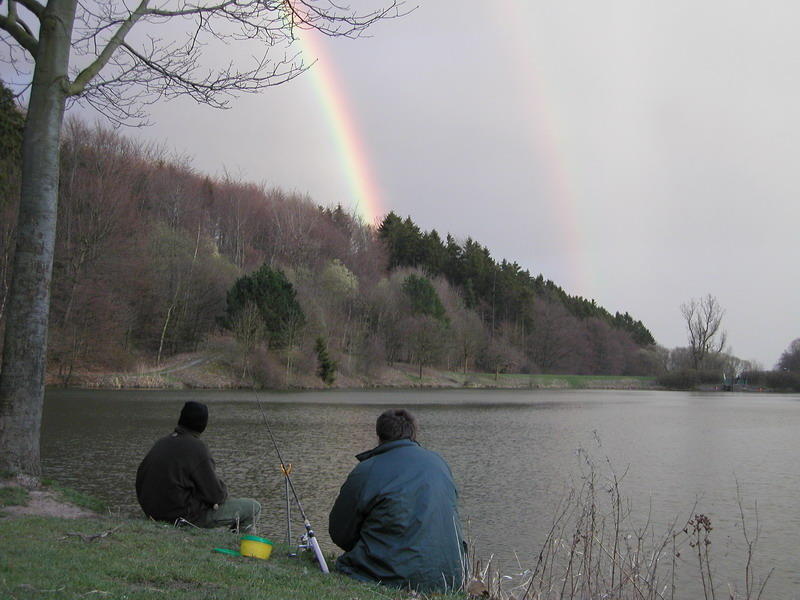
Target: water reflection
x=513, y=454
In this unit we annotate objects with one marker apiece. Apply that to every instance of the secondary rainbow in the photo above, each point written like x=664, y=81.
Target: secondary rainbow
x=544, y=125
x=366, y=197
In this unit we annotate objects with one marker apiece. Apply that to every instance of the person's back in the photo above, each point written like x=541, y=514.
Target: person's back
x=397, y=518
x=176, y=479
x=177, y=482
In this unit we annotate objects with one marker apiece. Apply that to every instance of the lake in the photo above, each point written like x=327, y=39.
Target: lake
x=514, y=454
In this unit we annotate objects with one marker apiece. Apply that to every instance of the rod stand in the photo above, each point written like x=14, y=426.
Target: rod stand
x=287, y=470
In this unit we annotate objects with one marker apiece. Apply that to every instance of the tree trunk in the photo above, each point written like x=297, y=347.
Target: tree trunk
x=164, y=330
x=25, y=350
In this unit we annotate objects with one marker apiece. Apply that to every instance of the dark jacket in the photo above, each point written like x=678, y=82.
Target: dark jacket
x=397, y=518
x=177, y=479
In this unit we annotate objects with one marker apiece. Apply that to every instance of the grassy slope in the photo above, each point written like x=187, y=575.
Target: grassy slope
x=142, y=559
x=217, y=374
x=557, y=381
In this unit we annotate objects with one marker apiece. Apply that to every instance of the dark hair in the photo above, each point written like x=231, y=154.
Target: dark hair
x=194, y=416
x=396, y=424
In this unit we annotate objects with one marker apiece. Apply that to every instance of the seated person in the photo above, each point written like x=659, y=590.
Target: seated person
x=176, y=482
x=397, y=516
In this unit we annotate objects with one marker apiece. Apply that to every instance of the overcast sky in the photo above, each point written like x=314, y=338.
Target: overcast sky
x=638, y=153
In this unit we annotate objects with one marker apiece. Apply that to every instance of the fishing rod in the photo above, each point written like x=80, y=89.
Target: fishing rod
x=309, y=540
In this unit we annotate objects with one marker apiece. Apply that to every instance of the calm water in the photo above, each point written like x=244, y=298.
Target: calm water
x=513, y=454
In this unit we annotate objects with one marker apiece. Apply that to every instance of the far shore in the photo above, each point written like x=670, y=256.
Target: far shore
x=196, y=371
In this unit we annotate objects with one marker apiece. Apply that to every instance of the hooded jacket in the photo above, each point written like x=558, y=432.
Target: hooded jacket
x=397, y=518
x=177, y=478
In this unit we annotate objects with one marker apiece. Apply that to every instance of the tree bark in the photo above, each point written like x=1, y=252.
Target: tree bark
x=25, y=350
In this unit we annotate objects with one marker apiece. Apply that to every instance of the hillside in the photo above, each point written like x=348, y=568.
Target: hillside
x=155, y=260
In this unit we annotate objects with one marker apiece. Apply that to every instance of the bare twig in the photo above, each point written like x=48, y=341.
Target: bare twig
x=92, y=537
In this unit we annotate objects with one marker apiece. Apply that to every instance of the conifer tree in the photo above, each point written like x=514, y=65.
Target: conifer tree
x=326, y=367
x=423, y=297
x=274, y=297
x=12, y=122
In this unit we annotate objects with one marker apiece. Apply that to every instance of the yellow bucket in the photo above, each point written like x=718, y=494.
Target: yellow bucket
x=257, y=547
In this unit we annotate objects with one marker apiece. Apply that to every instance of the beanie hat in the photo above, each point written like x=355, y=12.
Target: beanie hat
x=194, y=416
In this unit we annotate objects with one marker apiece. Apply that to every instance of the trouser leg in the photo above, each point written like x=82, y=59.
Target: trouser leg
x=241, y=512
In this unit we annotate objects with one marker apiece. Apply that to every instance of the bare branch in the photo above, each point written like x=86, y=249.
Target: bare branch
x=179, y=74
x=90, y=72
x=33, y=6
x=223, y=7
x=25, y=26
x=20, y=33
x=338, y=21
x=165, y=69
x=13, y=18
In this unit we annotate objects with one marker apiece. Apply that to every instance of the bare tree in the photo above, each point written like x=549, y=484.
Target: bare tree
x=423, y=339
x=500, y=356
x=120, y=73
x=704, y=328
x=468, y=335
x=551, y=342
x=790, y=358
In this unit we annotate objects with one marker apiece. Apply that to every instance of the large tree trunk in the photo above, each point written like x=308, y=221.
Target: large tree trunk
x=25, y=349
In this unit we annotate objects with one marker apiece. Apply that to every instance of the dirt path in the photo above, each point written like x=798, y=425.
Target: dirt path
x=192, y=363
x=43, y=503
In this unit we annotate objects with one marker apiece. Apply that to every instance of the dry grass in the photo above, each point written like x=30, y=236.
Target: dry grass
x=595, y=550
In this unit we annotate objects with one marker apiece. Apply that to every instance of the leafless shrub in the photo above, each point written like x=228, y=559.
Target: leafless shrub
x=595, y=549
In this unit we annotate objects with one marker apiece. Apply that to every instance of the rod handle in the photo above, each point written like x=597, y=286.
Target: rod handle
x=323, y=566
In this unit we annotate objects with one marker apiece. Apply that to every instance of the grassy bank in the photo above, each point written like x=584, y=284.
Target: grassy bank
x=596, y=547
x=575, y=382
x=47, y=557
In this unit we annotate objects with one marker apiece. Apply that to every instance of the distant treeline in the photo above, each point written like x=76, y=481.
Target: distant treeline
x=155, y=259
x=500, y=292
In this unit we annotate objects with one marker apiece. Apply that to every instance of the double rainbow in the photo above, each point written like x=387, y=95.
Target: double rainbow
x=367, y=199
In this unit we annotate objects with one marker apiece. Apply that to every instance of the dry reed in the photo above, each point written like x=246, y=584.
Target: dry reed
x=595, y=550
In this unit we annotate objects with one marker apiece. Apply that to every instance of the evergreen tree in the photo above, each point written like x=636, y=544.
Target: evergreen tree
x=274, y=297
x=12, y=122
x=403, y=240
x=326, y=367
x=423, y=297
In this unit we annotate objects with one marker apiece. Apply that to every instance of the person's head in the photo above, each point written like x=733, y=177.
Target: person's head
x=194, y=416
x=396, y=424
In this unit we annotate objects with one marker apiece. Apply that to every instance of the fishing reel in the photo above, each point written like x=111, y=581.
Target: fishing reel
x=303, y=544
x=308, y=541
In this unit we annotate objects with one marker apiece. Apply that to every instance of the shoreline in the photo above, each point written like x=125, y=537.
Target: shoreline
x=200, y=371
x=125, y=556
x=213, y=376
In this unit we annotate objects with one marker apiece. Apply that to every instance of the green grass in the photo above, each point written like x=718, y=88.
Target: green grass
x=515, y=380
x=13, y=496
x=591, y=381
x=141, y=559
x=65, y=494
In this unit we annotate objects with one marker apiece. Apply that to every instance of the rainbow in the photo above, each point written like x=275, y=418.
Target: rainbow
x=366, y=196
x=542, y=121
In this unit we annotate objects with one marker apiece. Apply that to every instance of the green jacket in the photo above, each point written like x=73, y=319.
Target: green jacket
x=177, y=479
x=397, y=518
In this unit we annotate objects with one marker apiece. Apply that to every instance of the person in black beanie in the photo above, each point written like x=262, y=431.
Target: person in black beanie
x=177, y=482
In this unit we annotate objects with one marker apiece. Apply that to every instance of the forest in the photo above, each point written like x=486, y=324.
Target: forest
x=154, y=259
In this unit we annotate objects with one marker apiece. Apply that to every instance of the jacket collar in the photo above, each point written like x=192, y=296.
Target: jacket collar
x=181, y=430
x=381, y=448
